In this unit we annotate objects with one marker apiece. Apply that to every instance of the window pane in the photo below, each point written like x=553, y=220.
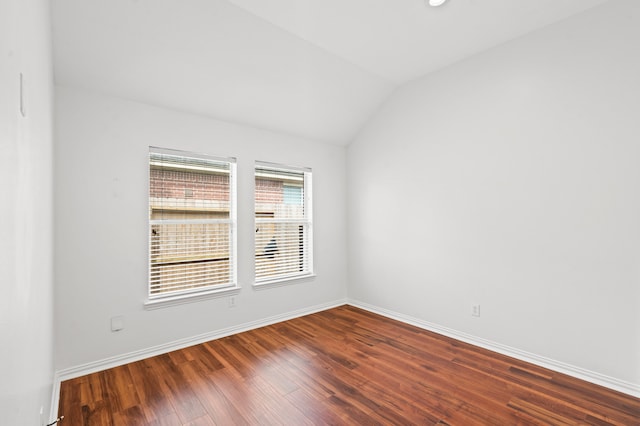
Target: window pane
x=283, y=225
x=191, y=225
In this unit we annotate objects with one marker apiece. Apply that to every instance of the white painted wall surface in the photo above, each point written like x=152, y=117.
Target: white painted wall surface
x=511, y=180
x=213, y=58
x=101, y=210
x=26, y=211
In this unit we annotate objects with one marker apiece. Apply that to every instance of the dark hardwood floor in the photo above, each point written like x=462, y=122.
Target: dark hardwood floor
x=340, y=366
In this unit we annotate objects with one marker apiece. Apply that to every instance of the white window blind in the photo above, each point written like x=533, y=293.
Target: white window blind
x=192, y=223
x=283, y=222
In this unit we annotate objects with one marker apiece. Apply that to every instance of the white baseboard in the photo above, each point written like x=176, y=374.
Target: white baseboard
x=55, y=398
x=561, y=367
x=115, y=361
x=103, y=364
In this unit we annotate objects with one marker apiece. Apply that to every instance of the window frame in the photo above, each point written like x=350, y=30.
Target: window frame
x=206, y=291
x=307, y=222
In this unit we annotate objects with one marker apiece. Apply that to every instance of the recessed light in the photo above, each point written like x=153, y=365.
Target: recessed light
x=435, y=3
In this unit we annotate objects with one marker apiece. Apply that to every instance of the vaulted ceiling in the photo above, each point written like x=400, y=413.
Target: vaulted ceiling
x=313, y=68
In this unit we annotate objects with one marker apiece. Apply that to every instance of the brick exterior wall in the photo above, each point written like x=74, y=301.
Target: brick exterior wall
x=269, y=191
x=175, y=184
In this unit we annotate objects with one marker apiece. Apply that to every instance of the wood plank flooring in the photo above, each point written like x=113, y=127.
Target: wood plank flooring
x=343, y=366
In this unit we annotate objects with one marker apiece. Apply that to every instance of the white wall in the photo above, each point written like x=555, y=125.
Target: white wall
x=512, y=180
x=26, y=274
x=101, y=210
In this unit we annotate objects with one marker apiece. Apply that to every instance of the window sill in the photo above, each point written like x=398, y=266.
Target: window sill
x=181, y=299
x=283, y=281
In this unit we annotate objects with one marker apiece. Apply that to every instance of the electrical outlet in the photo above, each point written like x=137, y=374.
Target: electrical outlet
x=475, y=310
x=117, y=323
x=232, y=302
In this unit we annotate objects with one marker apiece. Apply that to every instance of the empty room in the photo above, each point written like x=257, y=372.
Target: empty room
x=301, y=212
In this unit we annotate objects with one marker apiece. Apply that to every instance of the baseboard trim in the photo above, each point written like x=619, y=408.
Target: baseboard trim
x=558, y=366
x=103, y=364
x=115, y=361
x=55, y=398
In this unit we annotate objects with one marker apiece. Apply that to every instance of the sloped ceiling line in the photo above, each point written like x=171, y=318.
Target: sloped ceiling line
x=316, y=69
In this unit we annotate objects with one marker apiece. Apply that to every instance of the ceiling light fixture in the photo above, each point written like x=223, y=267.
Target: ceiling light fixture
x=436, y=3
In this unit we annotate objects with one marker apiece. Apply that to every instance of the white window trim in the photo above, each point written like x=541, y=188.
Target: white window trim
x=189, y=296
x=181, y=299
x=276, y=282
x=308, y=204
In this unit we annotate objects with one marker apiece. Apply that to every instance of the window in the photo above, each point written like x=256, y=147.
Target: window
x=283, y=216
x=192, y=223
